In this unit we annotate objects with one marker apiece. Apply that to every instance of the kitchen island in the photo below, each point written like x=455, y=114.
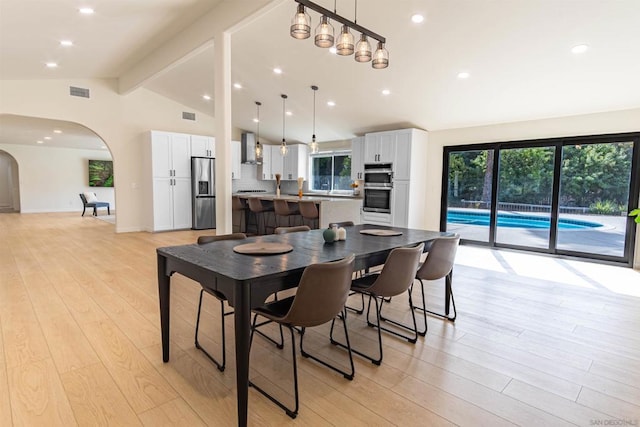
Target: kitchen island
x=331, y=209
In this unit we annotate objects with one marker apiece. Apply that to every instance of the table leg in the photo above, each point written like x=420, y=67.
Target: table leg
x=242, y=317
x=164, y=282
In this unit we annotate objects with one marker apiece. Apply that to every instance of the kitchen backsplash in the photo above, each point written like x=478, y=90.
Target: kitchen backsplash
x=249, y=180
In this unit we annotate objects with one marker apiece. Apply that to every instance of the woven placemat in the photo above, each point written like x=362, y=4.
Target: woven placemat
x=263, y=248
x=377, y=232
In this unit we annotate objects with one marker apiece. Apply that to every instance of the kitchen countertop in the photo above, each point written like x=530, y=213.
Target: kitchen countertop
x=295, y=198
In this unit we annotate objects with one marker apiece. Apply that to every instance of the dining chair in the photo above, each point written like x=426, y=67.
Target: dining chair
x=395, y=278
x=309, y=211
x=202, y=240
x=439, y=264
x=294, y=229
x=284, y=209
x=240, y=210
x=322, y=292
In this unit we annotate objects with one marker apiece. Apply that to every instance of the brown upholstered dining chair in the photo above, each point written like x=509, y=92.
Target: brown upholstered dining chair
x=439, y=264
x=261, y=211
x=322, y=292
x=201, y=241
x=294, y=229
x=284, y=209
x=395, y=278
x=309, y=212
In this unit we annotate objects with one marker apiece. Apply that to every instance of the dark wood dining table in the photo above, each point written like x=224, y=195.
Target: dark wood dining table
x=247, y=280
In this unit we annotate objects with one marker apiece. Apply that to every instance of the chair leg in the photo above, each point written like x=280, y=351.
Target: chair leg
x=449, y=301
x=375, y=361
x=84, y=208
x=412, y=339
x=347, y=375
x=95, y=211
x=219, y=365
x=292, y=413
x=357, y=310
x=108, y=210
x=255, y=326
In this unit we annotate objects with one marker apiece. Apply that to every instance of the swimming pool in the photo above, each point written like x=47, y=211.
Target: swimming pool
x=516, y=220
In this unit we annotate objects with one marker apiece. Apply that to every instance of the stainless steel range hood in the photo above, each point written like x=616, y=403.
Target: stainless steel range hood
x=249, y=148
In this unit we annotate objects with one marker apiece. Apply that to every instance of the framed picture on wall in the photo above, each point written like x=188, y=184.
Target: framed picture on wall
x=100, y=173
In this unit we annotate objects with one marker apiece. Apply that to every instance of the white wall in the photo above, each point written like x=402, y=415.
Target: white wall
x=591, y=124
x=51, y=178
x=121, y=121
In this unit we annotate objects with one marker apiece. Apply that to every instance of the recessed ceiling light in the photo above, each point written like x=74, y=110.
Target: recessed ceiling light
x=417, y=18
x=277, y=70
x=463, y=75
x=386, y=91
x=237, y=85
x=331, y=104
x=289, y=113
x=104, y=147
x=255, y=120
x=39, y=142
x=57, y=131
x=51, y=65
x=86, y=11
x=333, y=50
x=206, y=97
x=581, y=48
x=66, y=43
x=47, y=137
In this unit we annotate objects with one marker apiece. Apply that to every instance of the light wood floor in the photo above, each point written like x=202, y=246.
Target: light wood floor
x=538, y=341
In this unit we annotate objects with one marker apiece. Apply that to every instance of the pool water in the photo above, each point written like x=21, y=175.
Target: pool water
x=517, y=220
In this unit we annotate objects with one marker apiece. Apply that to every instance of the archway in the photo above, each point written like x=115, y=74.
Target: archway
x=9, y=183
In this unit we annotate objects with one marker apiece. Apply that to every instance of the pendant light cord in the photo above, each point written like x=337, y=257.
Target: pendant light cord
x=355, y=13
x=314, y=115
x=283, y=115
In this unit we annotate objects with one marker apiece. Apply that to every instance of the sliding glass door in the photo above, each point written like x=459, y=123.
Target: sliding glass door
x=564, y=196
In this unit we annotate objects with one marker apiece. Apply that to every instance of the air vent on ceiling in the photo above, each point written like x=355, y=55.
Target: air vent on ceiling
x=78, y=91
x=188, y=116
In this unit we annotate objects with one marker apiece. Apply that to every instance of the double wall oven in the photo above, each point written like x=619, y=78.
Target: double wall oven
x=378, y=187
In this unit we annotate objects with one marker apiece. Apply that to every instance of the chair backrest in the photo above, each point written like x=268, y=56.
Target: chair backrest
x=255, y=204
x=321, y=294
x=236, y=204
x=295, y=229
x=341, y=224
x=281, y=207
x=308, y=209
x=397, y=273
x=84, y=199
x=440, y=258
x=208, y=239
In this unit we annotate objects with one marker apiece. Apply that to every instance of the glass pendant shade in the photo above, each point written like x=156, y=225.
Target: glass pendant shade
x=313, y=145
x=324, y=33
x=258, y=150
x=284, y=149
x=363, y=50
x=344, y=46
x=380, y=57
x=258, y=145
x=301, y=24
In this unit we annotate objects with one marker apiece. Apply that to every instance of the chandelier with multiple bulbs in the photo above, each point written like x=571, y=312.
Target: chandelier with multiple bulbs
x=324, y=35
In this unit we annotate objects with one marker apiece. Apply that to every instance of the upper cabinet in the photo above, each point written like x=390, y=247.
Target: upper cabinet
x=296, y=162
x=380, y=147
x=273, y=163
x=170, y=154
x=236, y=158
x=357, y=158
x=203, y=146
x=264, y=171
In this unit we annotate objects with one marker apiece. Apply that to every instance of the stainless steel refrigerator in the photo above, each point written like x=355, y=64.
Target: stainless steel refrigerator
x=203, y=193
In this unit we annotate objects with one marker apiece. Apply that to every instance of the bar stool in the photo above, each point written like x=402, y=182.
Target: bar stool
x=239, y=210
x=283, y=209
x=309, y=211
x=261, y=210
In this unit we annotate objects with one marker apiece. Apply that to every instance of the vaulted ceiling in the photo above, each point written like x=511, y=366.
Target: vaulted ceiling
x=517, y=53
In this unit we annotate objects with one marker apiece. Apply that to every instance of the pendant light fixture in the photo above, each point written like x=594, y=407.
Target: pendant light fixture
x=324, y=34
x=258, y=145
x=301, y=24
x=380, y=57
x=283, y=147
x=314, y=144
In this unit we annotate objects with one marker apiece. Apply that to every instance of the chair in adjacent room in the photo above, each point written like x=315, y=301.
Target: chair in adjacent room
x=309, y=212
x=90, y=200
x=261, y=211
x=439, y=264
x=322, y=292
x=202, y=240
x=284, y=209
x=294, y=229
x=395, y=278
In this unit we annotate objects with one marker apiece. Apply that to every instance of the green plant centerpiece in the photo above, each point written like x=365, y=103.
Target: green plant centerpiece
x=636, y=214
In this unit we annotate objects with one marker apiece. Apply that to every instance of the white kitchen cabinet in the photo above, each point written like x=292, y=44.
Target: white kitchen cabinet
x=272, y=163
x=380, y=147
x=402, y=160
x=400, y=203
x=203, y=146
x=236, y=159
x=170, y=178
x=264, y=172
x=295, y=163
x=357, y=158
x=277, y=162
